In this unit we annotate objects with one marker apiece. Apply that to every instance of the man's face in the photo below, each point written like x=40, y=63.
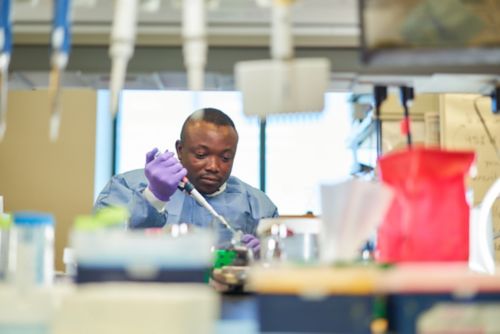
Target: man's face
x=208, y=154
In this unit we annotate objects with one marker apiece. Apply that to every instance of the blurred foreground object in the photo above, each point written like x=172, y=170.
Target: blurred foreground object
x=481, y=257
x=34, y=249
x=289, y=240
x=449, y=317
x=351, y=212
x=230, y=268
x=313, y=299
x=5, y=240
x=353, y=298
x=429, y=218
x=29, y=311
x=131, y=308
x=106, y=252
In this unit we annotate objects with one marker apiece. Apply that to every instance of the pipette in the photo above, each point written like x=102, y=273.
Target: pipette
x=61, y=41
x=121, y=47
x=194, y=29
x=188, y=187
x=5, y=50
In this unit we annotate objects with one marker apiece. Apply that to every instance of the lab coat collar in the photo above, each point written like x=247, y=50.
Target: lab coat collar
x=220, y=191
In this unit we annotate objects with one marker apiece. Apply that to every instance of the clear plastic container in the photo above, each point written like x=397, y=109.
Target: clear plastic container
x=289, y=239
x=34, y=236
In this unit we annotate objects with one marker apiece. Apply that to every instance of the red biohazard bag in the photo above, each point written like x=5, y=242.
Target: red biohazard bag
x=429, y=217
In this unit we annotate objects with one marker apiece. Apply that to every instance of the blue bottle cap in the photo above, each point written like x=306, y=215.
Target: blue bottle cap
x=33, y=218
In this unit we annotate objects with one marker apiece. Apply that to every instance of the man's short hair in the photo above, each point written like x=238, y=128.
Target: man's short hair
x=209, y=115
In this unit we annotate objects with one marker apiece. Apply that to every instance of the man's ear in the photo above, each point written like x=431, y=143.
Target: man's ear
x=178, y=148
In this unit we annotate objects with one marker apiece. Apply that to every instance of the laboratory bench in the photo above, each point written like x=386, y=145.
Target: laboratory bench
x=251, y=313
x=360, y=298
x=375, y=299
x=238, y=314
x=408, y=298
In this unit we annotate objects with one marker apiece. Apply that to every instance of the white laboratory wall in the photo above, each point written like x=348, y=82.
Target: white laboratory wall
x=302, y=150
x=57, y=177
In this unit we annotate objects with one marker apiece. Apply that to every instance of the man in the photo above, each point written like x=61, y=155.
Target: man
x=206, y=152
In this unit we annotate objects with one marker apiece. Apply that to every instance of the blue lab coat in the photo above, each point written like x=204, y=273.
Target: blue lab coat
x=241, y=204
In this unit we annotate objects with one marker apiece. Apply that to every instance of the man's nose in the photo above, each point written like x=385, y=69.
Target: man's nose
x=213, y=164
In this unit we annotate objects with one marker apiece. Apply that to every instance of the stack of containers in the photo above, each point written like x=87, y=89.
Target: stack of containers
x=106, y=252
x=131, y=307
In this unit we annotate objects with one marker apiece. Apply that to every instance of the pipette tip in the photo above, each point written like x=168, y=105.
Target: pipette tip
x=225, y=223
x=2, y=131
x=55, y=103
x=55, y=122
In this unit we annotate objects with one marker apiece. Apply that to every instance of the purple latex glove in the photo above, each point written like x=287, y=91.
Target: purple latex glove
x=251, y=242
x=163, y=173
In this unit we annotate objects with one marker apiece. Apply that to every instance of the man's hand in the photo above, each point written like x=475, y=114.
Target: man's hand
x=251, y=242
x=163, y=172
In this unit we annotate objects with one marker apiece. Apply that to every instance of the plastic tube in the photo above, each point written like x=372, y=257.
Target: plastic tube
x=122, y=46
x=281, y=39
x=61, y=45
x=5, y=51
x=195, y=45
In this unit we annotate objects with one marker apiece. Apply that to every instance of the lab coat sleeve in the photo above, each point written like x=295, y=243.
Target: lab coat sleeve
x=275, y=212
x=261, y=207
x=121, y=192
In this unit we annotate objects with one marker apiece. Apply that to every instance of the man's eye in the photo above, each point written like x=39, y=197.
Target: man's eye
x=227, y=159
x=199, y=155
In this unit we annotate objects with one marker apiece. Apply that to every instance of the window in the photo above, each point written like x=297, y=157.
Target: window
x=303, y=150
x=151, y=119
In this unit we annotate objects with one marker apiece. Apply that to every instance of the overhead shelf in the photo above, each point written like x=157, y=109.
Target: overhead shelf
x=433, y=57
x=427, y=33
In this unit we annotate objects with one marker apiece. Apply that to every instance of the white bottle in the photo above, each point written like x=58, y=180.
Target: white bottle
x=34, y=238
x=482, y=254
